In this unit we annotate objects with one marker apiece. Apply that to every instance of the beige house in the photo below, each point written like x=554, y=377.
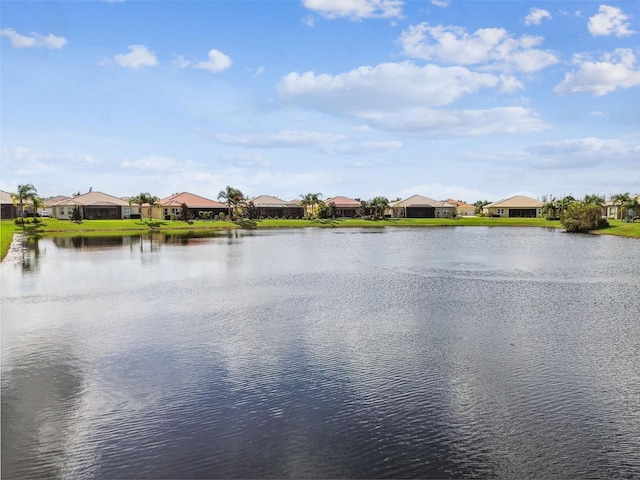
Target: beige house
x=267, y=206
x=345, y=207
x=611, y=210
x=8, y=209
x=418, y=206
x=518, y=206
x=93, y=206
x=171, y=206
x=462, y=209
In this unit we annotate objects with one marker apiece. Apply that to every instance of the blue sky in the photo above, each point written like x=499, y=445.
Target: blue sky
x=464, y=99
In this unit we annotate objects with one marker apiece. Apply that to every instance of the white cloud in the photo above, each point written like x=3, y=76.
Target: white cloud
x=402, y=97
x=246, y=159
x=154, y=162
x=355, y=9
x=139, y=56
x=361, y=148
x=493, y=48
x=388, y=86
x=217, y=62
x=34, y=40
x=284, y=139
x=441, y=3
x=615, y=70
x=180, y=62
x=588, y=146
x=460, y=123
x=536, y=15
x=582, y=153
x=609, y=21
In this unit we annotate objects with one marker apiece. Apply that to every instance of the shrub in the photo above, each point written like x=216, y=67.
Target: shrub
x=19, y=221
x=581, y=217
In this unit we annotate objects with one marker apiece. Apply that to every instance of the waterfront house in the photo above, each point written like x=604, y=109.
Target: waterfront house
x=613, y=210
x=171, y=206
x=518, y=206
x=462, y=209
x=7, y=208
x=267, y=206
x=93, y=206
x=345, y=207
x=418, y=206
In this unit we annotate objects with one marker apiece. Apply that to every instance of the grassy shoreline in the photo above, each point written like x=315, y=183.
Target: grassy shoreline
x=51, y=226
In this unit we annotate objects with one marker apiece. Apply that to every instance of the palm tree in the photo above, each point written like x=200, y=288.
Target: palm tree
x=310, y=201
x=152, y=200
x=630, y=207
x=305, y=203
x=25, y=192
x=37, y=202
x=550, y=209
x=620, y=199
x=593, y=199
x=231, y=196
x=143, y=198
x=379, y=205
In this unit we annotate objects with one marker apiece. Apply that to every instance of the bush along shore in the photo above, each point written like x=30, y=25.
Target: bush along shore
x=52, y=226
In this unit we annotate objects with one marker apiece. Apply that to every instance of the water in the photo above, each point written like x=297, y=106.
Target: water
x=433, y=352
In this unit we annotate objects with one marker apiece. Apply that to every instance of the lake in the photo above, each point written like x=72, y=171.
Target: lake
x=441, y=352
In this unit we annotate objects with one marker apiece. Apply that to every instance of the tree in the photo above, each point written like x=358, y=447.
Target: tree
x=76, y=215
x=152, y=200
x=630, y=208
x=332, y=210
x=305, y=203
x=24, y=193
x=143, y=198
x=185, y=213
x=37, y=202
x=551, y=209
x=232, y=197
x=619, y=200
x=593, y=199
x=583, y=217
x=479, y=205
x=378, y=205
x=310, y=202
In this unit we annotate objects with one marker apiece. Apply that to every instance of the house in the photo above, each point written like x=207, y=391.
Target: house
x=93, y=206
x=171, y=206
x=462, y=209
x=266, y=206
x=418, y=206
x=613, y=210
x=518, y=206
x=7, y=208
x=345, y=207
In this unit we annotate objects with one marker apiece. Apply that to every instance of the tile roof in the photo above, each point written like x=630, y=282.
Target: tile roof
x=343, y=202
x=517, y=201
x=420, y=201
x=5, y=198
x=265, y=201
x=458, y=203
x=48, y=202
x=192, y=201
x=93, y=198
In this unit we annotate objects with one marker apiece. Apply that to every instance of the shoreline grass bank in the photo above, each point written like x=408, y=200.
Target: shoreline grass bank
x=51, y=226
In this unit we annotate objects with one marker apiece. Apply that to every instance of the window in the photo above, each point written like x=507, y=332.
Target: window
x=501, y=211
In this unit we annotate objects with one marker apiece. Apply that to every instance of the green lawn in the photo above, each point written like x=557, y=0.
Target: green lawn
x=621, y=229
x=52, y=226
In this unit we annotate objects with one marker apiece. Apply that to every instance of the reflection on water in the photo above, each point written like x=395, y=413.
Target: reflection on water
x=448, y=352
